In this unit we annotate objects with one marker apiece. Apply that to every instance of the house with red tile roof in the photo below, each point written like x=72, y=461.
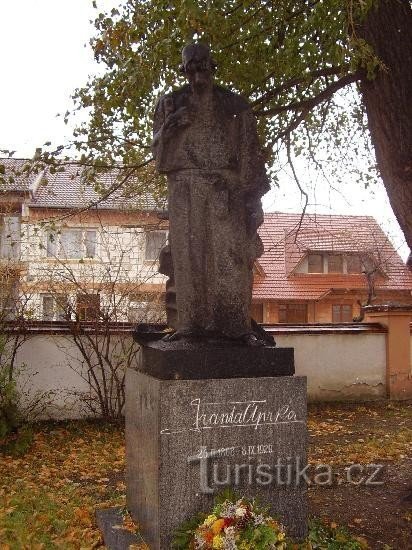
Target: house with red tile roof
x=69, y=245
x=321, y=268
x=66, y=233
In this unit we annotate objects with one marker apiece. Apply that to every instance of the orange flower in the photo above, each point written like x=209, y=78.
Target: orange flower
x=208, y=536
x=218, y=526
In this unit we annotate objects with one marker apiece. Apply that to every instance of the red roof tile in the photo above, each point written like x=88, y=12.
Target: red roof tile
x=287, y=240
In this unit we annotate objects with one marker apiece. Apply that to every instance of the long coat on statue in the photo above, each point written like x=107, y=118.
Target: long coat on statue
x=216, y=177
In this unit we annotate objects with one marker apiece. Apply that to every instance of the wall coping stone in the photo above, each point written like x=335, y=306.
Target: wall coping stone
x=62, y=327
x=326, y=328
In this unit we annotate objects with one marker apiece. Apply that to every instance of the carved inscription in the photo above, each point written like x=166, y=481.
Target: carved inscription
x=254, y=414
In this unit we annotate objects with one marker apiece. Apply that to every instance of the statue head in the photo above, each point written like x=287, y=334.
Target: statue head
x=198, y=65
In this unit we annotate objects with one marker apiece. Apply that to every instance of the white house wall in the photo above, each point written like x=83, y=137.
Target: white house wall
x=120, y=258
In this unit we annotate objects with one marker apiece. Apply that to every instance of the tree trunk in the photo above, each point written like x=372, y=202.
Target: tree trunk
x=388, y=101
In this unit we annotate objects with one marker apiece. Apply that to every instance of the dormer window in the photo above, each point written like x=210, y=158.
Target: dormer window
x=332, y=263
x=335, y=263
x=315, y=263
x=354, y=264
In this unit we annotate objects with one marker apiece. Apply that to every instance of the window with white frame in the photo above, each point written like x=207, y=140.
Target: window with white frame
x=155, y=241
x=10, y=237
x=71, y=243
x=54, y=308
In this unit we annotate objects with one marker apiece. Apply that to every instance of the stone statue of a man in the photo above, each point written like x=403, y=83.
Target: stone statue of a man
x=205, y=141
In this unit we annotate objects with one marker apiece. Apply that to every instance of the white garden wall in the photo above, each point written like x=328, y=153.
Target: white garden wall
x=53, y=364
x=339, y=366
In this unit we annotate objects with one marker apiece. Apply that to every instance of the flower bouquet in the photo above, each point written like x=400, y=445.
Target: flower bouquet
x=232, y=525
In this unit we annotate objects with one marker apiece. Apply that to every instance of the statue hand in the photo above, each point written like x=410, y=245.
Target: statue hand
x=178, y=119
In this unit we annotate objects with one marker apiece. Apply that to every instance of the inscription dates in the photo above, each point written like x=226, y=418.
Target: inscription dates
x=244, y=450
x=252, y=450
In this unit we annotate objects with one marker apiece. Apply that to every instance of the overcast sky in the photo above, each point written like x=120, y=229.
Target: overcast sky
x=45, y=56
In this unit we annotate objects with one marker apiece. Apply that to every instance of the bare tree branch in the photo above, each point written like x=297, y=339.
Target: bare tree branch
x=312, y=75
x=308, y=104
x=302, y=191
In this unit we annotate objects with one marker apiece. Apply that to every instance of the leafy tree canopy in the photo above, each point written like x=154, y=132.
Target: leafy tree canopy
x=293, y=59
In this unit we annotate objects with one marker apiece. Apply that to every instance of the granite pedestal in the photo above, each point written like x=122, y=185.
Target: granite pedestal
x=189, y=436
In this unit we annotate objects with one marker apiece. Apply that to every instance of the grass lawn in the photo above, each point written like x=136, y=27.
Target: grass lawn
x=49, y=495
